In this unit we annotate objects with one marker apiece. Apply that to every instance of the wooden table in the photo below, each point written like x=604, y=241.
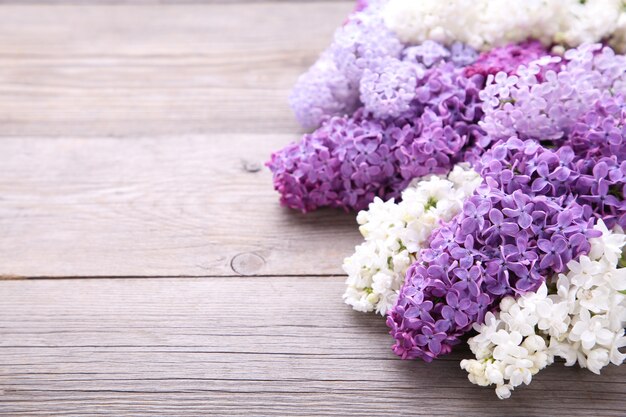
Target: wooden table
x=147, y=266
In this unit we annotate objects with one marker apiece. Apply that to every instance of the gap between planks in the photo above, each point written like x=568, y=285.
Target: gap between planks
x=156, y=206
x=93, y=70
x=241, y=346
x=59, y=277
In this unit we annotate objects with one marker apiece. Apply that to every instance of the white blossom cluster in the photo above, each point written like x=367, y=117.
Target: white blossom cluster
x=395, y=232
x=484, y=24
x=578, y=316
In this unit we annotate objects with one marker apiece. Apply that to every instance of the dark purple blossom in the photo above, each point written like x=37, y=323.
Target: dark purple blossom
x=515, y=231
x=431, y=338
x=507, y=58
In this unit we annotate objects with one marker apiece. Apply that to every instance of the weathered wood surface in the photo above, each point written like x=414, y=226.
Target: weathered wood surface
x=132, y=143
x=240, y=346
x=147, y=174
x=184, y=205
x=116, y=69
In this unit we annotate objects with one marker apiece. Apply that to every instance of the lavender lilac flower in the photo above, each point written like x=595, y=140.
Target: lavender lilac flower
x=350, y=160
x=331, y=86
x=388, y=89
x=323, y=90
x=528, y=106
x=367, y=63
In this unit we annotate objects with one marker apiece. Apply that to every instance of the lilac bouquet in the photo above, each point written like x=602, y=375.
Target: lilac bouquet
x=491, y=156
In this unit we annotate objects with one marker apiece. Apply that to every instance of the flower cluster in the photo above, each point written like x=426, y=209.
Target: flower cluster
x=350, y=160
x=485, y=24
x=322, y=91
x=396, y=232
x=331, y=86
x=494, y=160
x=589, y=87
x=507, y=58
x=511, y=233
x=578, y=316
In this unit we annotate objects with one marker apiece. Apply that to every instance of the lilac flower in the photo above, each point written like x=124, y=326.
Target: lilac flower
x=430, y=339
x=554, y=250
x=388, y=89
x=331, y=86
x=499, y=227
x=456, y=308
x=506, y=59
x=350, y=160
x=467, y=279
x=462, y=55
x=421, y=311
x=321, y=91
x=474, y=214
x=428, y=54
x=519, y=207
x=366, y=56
x=582, y=103
x=510, y=235
x=361, y=42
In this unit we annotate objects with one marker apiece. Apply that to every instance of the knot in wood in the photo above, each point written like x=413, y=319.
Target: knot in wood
x=251, y=166
x=247, y=263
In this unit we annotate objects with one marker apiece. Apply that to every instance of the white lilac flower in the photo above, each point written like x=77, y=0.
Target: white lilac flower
x=581, y=319
x=484, y=24
x=395, y=232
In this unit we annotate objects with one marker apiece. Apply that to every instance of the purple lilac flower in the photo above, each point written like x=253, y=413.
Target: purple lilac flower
x=344, y=163
x=360, y=5
x=511, y=59
x=551, y=107
x=601, y=167
x=366, y=58
x=350, y=160
x=533, y=213
x=506, y=59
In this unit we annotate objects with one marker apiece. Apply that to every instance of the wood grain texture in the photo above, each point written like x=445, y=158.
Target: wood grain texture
x=190, y=205
x=240, y=346
x=132, y=143
x=122, y=69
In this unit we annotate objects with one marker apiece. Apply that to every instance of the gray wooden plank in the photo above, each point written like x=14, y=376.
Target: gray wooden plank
x=240, y=346
x=190, y=205
x=140, y=69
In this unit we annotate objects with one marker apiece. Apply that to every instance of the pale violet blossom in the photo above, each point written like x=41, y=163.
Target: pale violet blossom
x=395, y=232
